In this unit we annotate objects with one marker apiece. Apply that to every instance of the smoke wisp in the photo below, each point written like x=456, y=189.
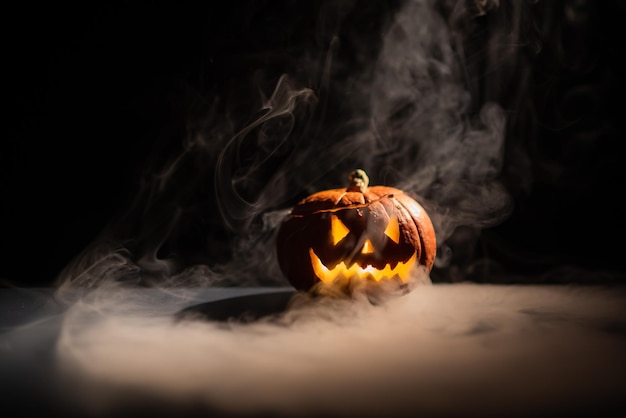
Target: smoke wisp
x=396, y=102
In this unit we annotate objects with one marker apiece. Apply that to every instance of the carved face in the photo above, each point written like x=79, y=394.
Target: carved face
x=384, y=237
x=364, y=244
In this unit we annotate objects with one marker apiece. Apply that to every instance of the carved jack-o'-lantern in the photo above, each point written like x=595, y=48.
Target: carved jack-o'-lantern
x=364, y=233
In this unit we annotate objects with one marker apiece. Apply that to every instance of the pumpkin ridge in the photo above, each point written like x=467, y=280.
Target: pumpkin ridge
x=353, y=206
x=339, y=198
x=410, y=218
x=423, y=244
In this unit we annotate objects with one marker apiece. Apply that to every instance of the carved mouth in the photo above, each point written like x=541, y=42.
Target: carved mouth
x=402, y=270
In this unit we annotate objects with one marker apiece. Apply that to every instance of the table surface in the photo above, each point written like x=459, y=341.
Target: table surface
x=441, y=350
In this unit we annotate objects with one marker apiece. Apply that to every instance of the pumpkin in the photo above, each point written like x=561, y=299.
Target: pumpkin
x=357, y=233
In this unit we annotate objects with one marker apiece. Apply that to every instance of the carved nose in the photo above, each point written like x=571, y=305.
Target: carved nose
x=368, y=248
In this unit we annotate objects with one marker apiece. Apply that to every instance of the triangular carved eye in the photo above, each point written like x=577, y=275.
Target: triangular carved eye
x=393, y=229
x=337, y=229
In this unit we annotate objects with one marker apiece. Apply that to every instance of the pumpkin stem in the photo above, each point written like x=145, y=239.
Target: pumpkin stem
x=358, y=181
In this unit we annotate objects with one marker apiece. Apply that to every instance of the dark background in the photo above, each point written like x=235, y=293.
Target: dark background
x=98, y=97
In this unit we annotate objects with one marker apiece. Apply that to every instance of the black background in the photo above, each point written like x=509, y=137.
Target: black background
x=96, y=95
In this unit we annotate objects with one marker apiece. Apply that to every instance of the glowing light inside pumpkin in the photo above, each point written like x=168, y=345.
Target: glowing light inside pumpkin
x=337, y=229
x=393, y=229
x=328, y=276
x=368, y=248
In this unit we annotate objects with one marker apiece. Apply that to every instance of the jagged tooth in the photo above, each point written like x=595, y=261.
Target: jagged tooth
x=403, y=272
x=386, y=271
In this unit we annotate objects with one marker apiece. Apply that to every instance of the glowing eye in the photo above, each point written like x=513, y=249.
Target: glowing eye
x=393, y=229
x=337, y=229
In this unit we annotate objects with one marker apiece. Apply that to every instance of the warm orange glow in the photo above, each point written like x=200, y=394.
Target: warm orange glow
x=393, y=229
x=337, y=229
x=328, y=276
x=368, y=248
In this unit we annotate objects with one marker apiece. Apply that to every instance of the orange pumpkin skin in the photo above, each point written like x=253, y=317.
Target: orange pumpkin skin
x=382, y=230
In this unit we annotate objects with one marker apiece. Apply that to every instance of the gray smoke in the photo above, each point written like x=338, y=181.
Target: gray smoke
x=397, y=103
x=440, y=350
